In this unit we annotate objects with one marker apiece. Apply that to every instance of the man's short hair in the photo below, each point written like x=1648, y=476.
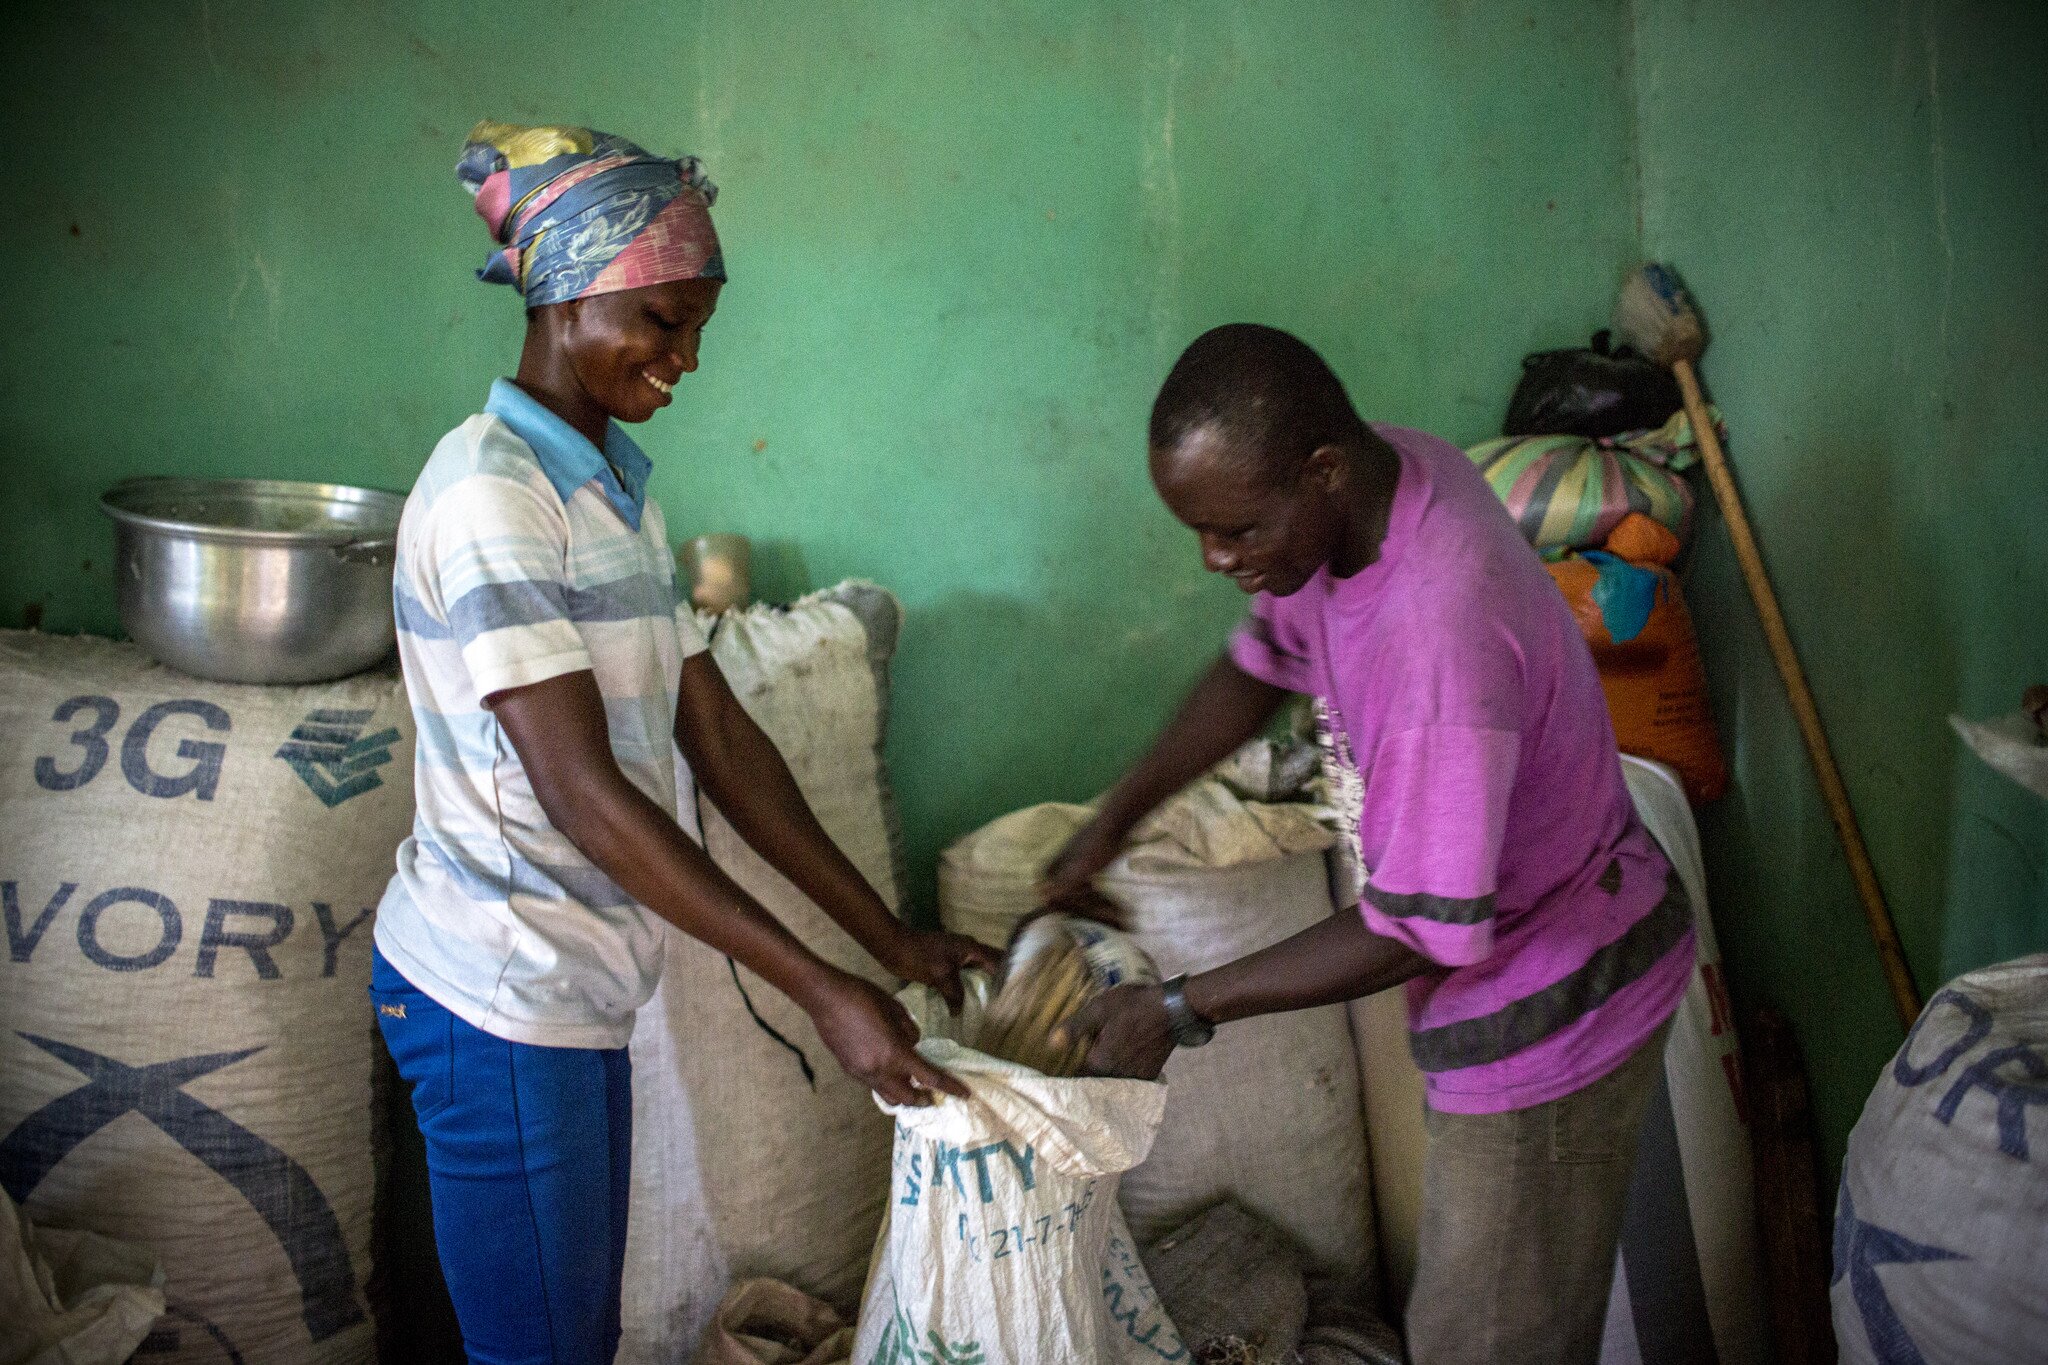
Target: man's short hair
x=1266, y=391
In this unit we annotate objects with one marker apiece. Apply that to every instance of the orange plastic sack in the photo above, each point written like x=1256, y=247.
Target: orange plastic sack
x=1656, y=686
x=1643, y=540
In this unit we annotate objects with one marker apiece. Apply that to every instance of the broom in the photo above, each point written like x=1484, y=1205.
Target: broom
x=1655, y=316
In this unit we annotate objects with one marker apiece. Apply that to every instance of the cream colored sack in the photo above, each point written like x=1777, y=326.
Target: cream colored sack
x=1003, y=1243
x=743, y=1165
x=72, y=1298
x=1267, y=1114
x=766, y=1322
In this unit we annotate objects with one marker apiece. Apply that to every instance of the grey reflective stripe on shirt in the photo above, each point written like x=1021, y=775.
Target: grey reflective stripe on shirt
x=498, y=606
x=1437, y=909
x=585, y=885
x=1490, y=1037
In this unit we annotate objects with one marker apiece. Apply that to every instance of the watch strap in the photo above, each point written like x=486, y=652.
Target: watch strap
x=1189, y=1028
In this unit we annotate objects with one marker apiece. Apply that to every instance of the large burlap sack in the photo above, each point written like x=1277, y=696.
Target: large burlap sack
x=754, y=1155
x=1268, y=1113
x=1687, y=1269
x=1941, y=1231
x=1003, y=1243
x=1230, y=1277
x=187, y=1054
x=766, y=1322
x=1396, y=1142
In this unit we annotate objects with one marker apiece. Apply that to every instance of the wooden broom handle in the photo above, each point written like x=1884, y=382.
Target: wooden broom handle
x=1905, y=995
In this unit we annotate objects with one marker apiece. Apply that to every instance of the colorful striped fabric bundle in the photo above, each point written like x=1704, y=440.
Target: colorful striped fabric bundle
x=1569, y=492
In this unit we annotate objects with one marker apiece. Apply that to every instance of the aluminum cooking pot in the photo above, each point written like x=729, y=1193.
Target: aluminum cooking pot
x=255, y=580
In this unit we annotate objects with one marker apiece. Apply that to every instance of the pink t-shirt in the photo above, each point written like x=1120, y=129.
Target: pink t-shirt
x=1492, y=824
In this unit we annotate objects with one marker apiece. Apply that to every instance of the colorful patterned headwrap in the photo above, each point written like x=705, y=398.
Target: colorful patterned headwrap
x=582, y=212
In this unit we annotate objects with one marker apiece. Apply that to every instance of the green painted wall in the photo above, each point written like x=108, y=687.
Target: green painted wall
x=1856, y=195
x=966, y=241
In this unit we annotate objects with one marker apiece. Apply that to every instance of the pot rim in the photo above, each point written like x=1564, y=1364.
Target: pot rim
x=114, y=502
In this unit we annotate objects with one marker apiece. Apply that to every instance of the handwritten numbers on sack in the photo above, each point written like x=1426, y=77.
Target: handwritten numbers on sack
x=204, y=756
x=1018, y=1238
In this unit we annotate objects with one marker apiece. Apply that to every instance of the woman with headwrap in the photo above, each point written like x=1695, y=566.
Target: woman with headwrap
x=552, y=678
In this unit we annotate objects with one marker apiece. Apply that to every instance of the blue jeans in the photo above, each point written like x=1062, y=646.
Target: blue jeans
x=529, y=1151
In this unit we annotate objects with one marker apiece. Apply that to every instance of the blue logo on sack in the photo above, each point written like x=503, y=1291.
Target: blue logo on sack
x=1860, y=1248
x=329, y=758
x=280, y=1190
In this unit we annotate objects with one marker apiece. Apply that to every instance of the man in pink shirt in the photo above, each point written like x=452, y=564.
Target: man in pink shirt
x=1504, y=877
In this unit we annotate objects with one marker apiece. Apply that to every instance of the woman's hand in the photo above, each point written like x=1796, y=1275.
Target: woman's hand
x=936, y=958
x=875, y=1041
x=1133, y=1035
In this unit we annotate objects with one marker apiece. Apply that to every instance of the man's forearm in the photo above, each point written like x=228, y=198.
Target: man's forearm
x=1334, y=960
x=1226, y=707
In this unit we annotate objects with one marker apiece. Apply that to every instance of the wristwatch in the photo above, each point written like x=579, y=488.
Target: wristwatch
x=1189, y=1028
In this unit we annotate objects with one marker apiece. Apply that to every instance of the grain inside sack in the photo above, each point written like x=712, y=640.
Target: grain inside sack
x=1056, y=966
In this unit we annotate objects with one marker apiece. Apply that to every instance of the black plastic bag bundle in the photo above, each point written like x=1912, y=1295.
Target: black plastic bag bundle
x=1592, y=391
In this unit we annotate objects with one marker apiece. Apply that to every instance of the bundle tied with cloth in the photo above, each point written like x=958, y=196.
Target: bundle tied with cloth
x=1610, y=515
x=579, y=212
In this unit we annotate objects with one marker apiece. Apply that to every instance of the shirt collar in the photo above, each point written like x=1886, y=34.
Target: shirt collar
x=568, y=458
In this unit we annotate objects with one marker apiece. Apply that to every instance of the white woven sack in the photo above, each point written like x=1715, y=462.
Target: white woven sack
x=1687, y=1276
x=1396, y=1143
x=187, y=1055
x=742, y=1166
x=1941, y=1230
x=1688, y=1271
x=1003, y=1243
x=1268, y=1113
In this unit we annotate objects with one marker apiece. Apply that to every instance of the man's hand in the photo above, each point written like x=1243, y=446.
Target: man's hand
x=1133, y=1036
x=876, y=1042
x=1069, y=881
x=1226, y=708
x=936, y=959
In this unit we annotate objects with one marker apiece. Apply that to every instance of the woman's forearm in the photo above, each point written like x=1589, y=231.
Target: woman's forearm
x=557, y=728
x=741, y=770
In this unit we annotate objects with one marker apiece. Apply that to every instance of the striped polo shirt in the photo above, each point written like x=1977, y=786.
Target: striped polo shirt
x=525, y=553
x=1477, y=775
